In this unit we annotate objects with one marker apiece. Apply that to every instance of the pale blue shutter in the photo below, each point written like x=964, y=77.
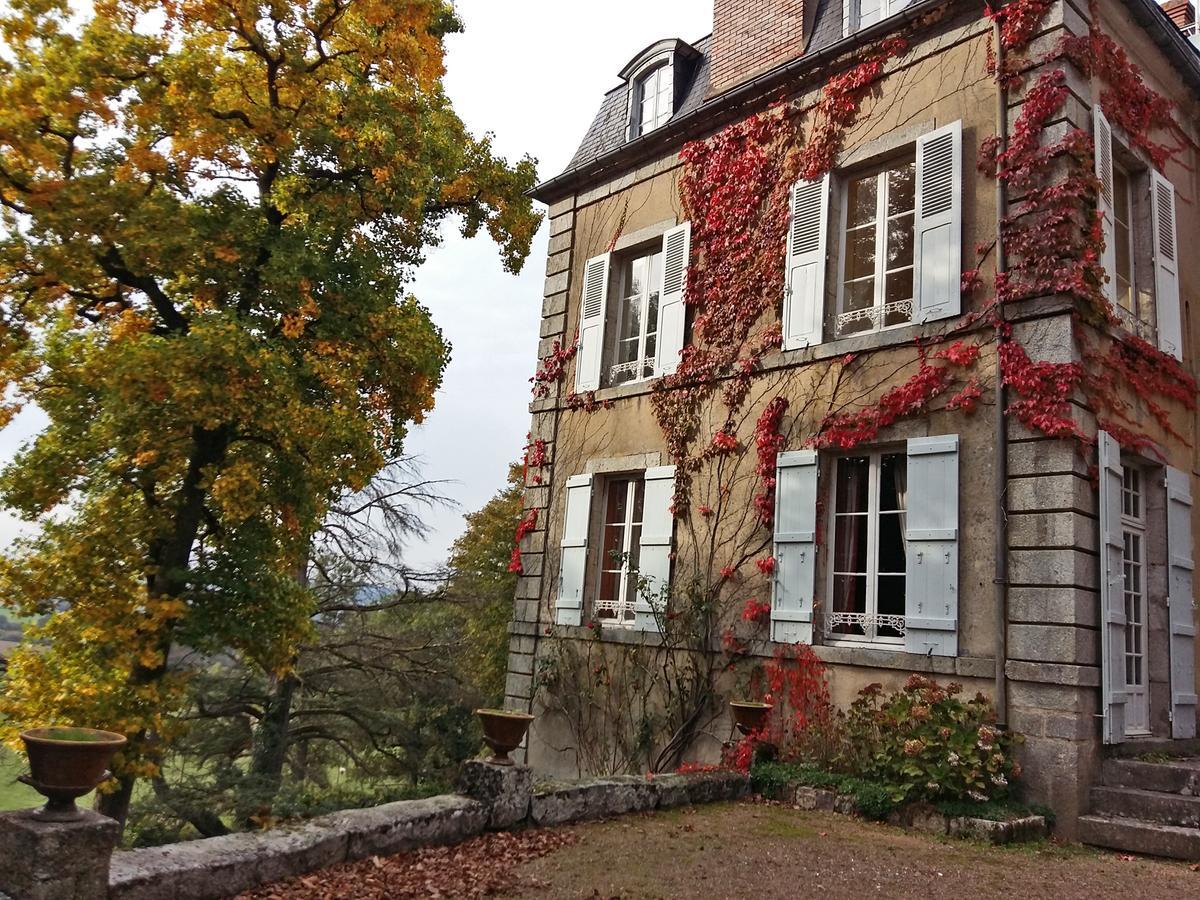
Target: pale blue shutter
x=1180, y=602
x=591, y=324
x=672, y=314
x=573, y=552
x=1102, y=136
x=804, y=295
x=931, y=591
x=1112, y=594
x=654, y=551
x=937, y=274
x=795, y=547
x=1166, y=265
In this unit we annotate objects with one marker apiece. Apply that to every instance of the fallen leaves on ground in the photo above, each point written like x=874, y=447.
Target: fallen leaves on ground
x=480, y=867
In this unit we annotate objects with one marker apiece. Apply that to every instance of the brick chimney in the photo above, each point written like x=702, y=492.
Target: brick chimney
x=1181, y=12
x=752, y=36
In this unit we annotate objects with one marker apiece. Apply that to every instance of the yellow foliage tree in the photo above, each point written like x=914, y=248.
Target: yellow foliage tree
x=208, y=213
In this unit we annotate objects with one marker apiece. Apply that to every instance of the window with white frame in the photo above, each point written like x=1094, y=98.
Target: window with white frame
x=858, y=14
x=637, y=285
x=1137, y=207
x=899, y=240
x=868, y=565
x=879, y=209
x=632, y=317
x=620, y=543
x=653, y=99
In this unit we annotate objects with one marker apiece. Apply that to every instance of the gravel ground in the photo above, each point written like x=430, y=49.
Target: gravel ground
x=753, y=850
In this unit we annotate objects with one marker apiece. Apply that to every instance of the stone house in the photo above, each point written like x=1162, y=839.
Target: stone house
x=841, y=450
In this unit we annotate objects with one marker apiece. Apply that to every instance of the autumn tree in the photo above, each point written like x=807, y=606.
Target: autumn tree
x=210, y=213
x=483, y=586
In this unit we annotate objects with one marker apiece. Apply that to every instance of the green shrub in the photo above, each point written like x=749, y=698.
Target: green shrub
x=928, y=744
x=777, y=780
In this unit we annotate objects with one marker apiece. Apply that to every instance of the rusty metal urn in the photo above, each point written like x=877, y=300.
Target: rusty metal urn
x=749, y=716
x=66, y=763
x=503, y=731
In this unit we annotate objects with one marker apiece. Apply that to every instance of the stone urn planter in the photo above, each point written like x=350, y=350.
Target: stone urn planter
x=66, y=763
x=749, y=716
x=503, y=731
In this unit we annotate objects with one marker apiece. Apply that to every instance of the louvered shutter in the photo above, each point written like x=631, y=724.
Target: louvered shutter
x=1112, y=590
x=654, y=551
x=573, y=554
x=591, y=324
x=1104, y=202
x=931, y=591
x=1180, y=602
x=795, y=547
x=804, y=296
x=672, y=313
x=1166, y=265
x=937, y=274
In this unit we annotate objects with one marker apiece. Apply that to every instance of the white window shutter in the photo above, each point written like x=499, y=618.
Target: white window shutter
x=804, y=295
x=1105, y=201
x=592, y=308
x=937, y=276
x=931, y=590
x=1113, y=693
x=795, y=547
x=672, y=313
x=574, y=550
x=1179, y=600
x=1166, y=265
x=654, y=552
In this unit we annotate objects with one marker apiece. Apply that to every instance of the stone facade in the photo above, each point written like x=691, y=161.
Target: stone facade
x=1052, y=668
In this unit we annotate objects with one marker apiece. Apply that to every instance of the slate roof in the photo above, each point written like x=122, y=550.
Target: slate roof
x=607, y=131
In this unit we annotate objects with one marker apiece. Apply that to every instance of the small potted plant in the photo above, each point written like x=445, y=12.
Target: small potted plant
x=503, y=731
x=65, y=763
x=750, y=716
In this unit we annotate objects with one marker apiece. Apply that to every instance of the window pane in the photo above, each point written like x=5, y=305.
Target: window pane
x=849, y=595
x=861, y=195
x=639, y=500
x=609, y=587
x=1121, y=194
x=901, y=188
x=850, y=544
x=892, y=554
x=891, y=600
x=900, y=241
x=899, y=286
x=859, y=295
x=893, y=481
x=618, y=489
x=860, y=252
x=853, y=477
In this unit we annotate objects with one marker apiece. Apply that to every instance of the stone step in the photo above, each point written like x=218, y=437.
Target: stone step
x=1148, y=806
x=1146, y=838
x=1170, y=777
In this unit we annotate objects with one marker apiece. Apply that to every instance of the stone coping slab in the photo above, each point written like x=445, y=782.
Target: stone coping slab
x=924, y=817
x=220, y=867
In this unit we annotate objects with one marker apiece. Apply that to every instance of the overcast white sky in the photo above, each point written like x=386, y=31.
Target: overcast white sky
x=533, y=72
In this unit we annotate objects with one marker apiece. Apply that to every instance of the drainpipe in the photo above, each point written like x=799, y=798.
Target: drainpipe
x=1000, y=580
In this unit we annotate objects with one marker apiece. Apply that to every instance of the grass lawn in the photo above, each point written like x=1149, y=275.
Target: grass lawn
x=13, y=794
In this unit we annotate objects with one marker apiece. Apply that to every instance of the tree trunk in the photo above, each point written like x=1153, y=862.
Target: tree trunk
x=116, y=804
x=205, y=821
x=265, y=775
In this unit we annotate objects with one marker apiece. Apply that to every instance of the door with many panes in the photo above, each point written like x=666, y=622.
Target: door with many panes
x=1144, y=507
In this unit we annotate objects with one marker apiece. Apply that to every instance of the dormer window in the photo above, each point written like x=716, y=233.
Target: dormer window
x=654, y=99
x=858, y=14
x=656, y=78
